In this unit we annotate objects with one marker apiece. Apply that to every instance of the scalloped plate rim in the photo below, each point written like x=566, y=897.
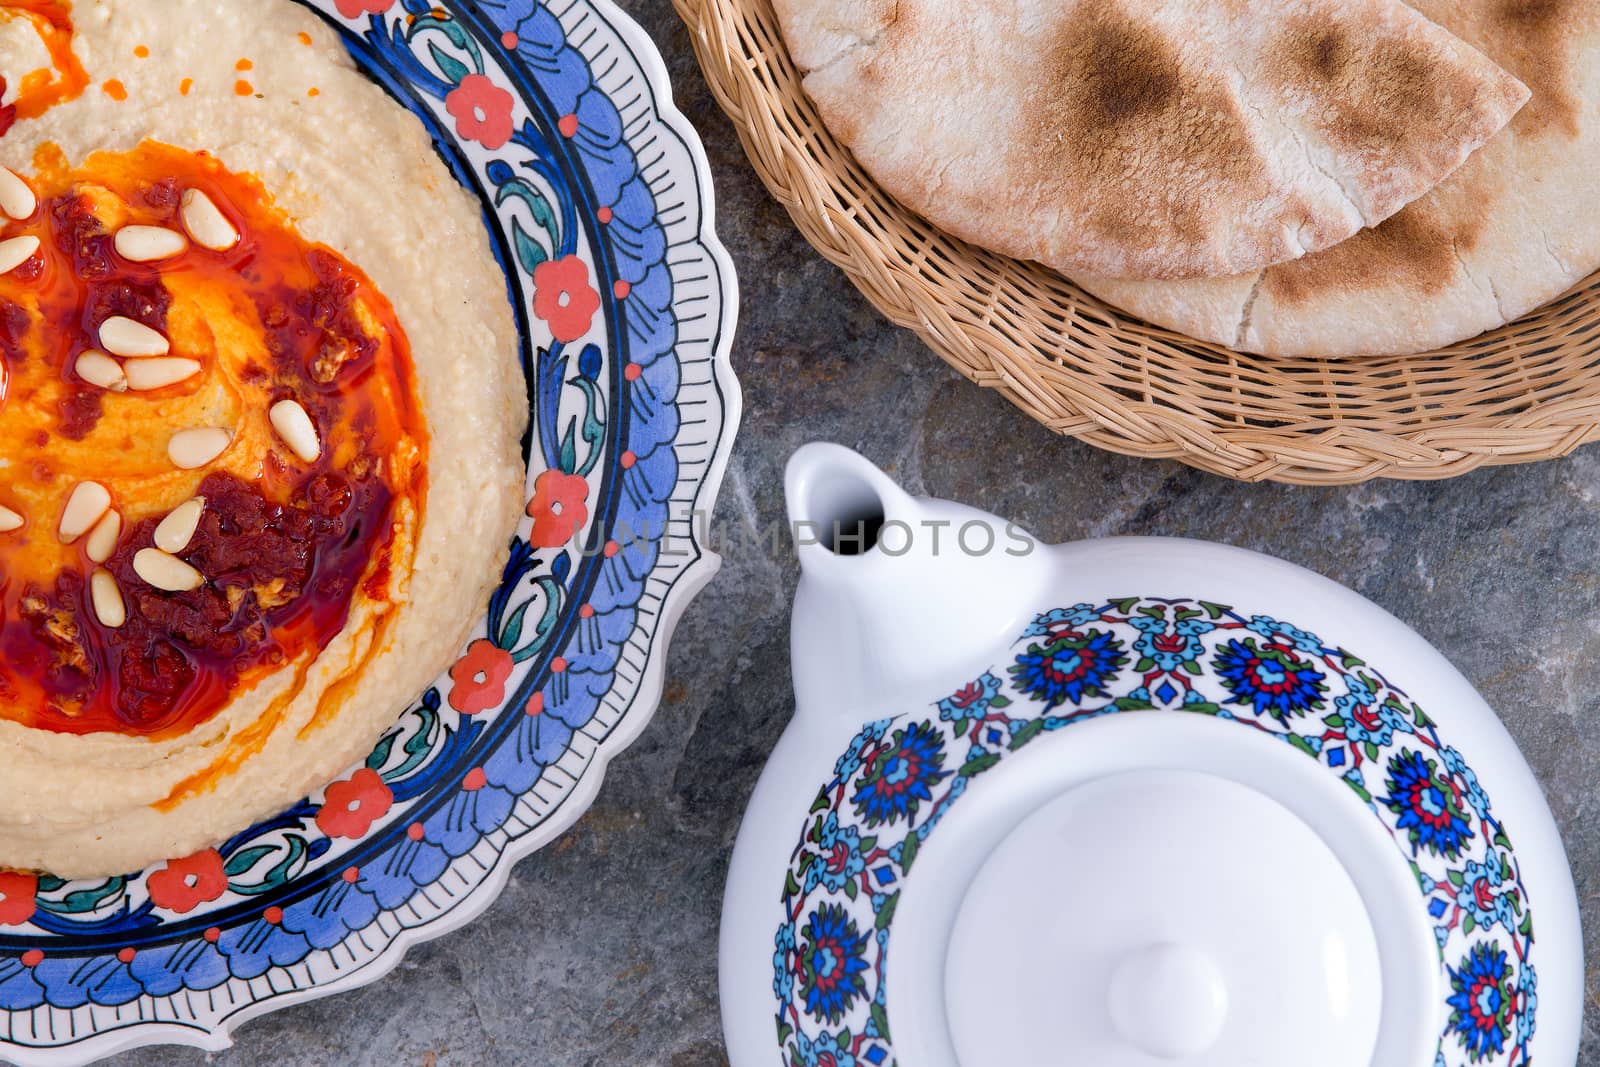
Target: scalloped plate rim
x=685, y=587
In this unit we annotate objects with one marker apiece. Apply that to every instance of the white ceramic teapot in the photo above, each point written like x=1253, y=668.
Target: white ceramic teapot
x=1128, y=803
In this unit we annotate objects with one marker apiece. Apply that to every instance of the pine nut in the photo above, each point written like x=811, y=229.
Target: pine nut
x=208, y=226
x=191, y=449
x=174, y=532
x=9, y=520
x=158, y=373
x=146, y=244
x=15, y=251
x=108, y=605
x=132, y=340
x=296, y=430
x=89, y=501
x=103, y=538
x=166, y=572
x=101, y=370
x=16, y=199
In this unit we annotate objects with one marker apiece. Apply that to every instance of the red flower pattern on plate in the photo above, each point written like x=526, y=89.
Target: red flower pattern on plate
x=563, y=297
x=482, y=111
x=558, y=508
x=184, y=884
x=17, y=891
x=353, y=804
x=479, y=677
x=354, y=8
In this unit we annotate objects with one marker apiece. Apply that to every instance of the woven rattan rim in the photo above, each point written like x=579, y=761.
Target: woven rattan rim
x=1527, y=391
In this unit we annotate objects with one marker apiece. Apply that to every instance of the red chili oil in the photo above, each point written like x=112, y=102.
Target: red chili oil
x=286, y=547
x=40, y=90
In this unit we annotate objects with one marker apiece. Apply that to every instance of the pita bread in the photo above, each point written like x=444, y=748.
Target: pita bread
x=1516, y=226
x=1137, y=138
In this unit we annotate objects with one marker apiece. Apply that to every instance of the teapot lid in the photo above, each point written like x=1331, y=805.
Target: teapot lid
x=1138, y=911
x=1171, y=816
x=1271, y=917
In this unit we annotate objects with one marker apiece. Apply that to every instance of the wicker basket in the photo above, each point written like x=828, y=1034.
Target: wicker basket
x=1527, y=391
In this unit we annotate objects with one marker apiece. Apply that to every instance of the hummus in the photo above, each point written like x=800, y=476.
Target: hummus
x=260, y=413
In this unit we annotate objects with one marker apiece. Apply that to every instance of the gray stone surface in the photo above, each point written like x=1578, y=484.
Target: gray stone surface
x=602, y=949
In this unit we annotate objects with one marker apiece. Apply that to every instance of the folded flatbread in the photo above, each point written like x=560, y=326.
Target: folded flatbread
x=1515, y=226
x=1137, y=138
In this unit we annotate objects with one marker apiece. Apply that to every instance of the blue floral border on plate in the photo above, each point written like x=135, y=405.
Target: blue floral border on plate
x=575, y=628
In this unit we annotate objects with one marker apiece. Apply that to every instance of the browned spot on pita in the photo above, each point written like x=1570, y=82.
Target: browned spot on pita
x=1531, y=38
x=1115, y=101
x=1412, y=247
x=1390, y=95
x=1131, y=75
x=1323, y=52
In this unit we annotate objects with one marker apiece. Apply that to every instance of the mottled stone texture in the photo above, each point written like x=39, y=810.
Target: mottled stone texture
x=602, y=949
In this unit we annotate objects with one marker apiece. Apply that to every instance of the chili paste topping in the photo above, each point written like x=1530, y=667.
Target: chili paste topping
x=211, y=443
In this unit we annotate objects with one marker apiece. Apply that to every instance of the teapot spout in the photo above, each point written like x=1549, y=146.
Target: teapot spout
x=898, y=595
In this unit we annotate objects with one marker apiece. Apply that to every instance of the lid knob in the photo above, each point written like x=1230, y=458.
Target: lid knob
x=1168, y=1001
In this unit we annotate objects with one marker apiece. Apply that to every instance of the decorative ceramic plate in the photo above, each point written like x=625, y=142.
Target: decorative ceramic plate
x=558, y=115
